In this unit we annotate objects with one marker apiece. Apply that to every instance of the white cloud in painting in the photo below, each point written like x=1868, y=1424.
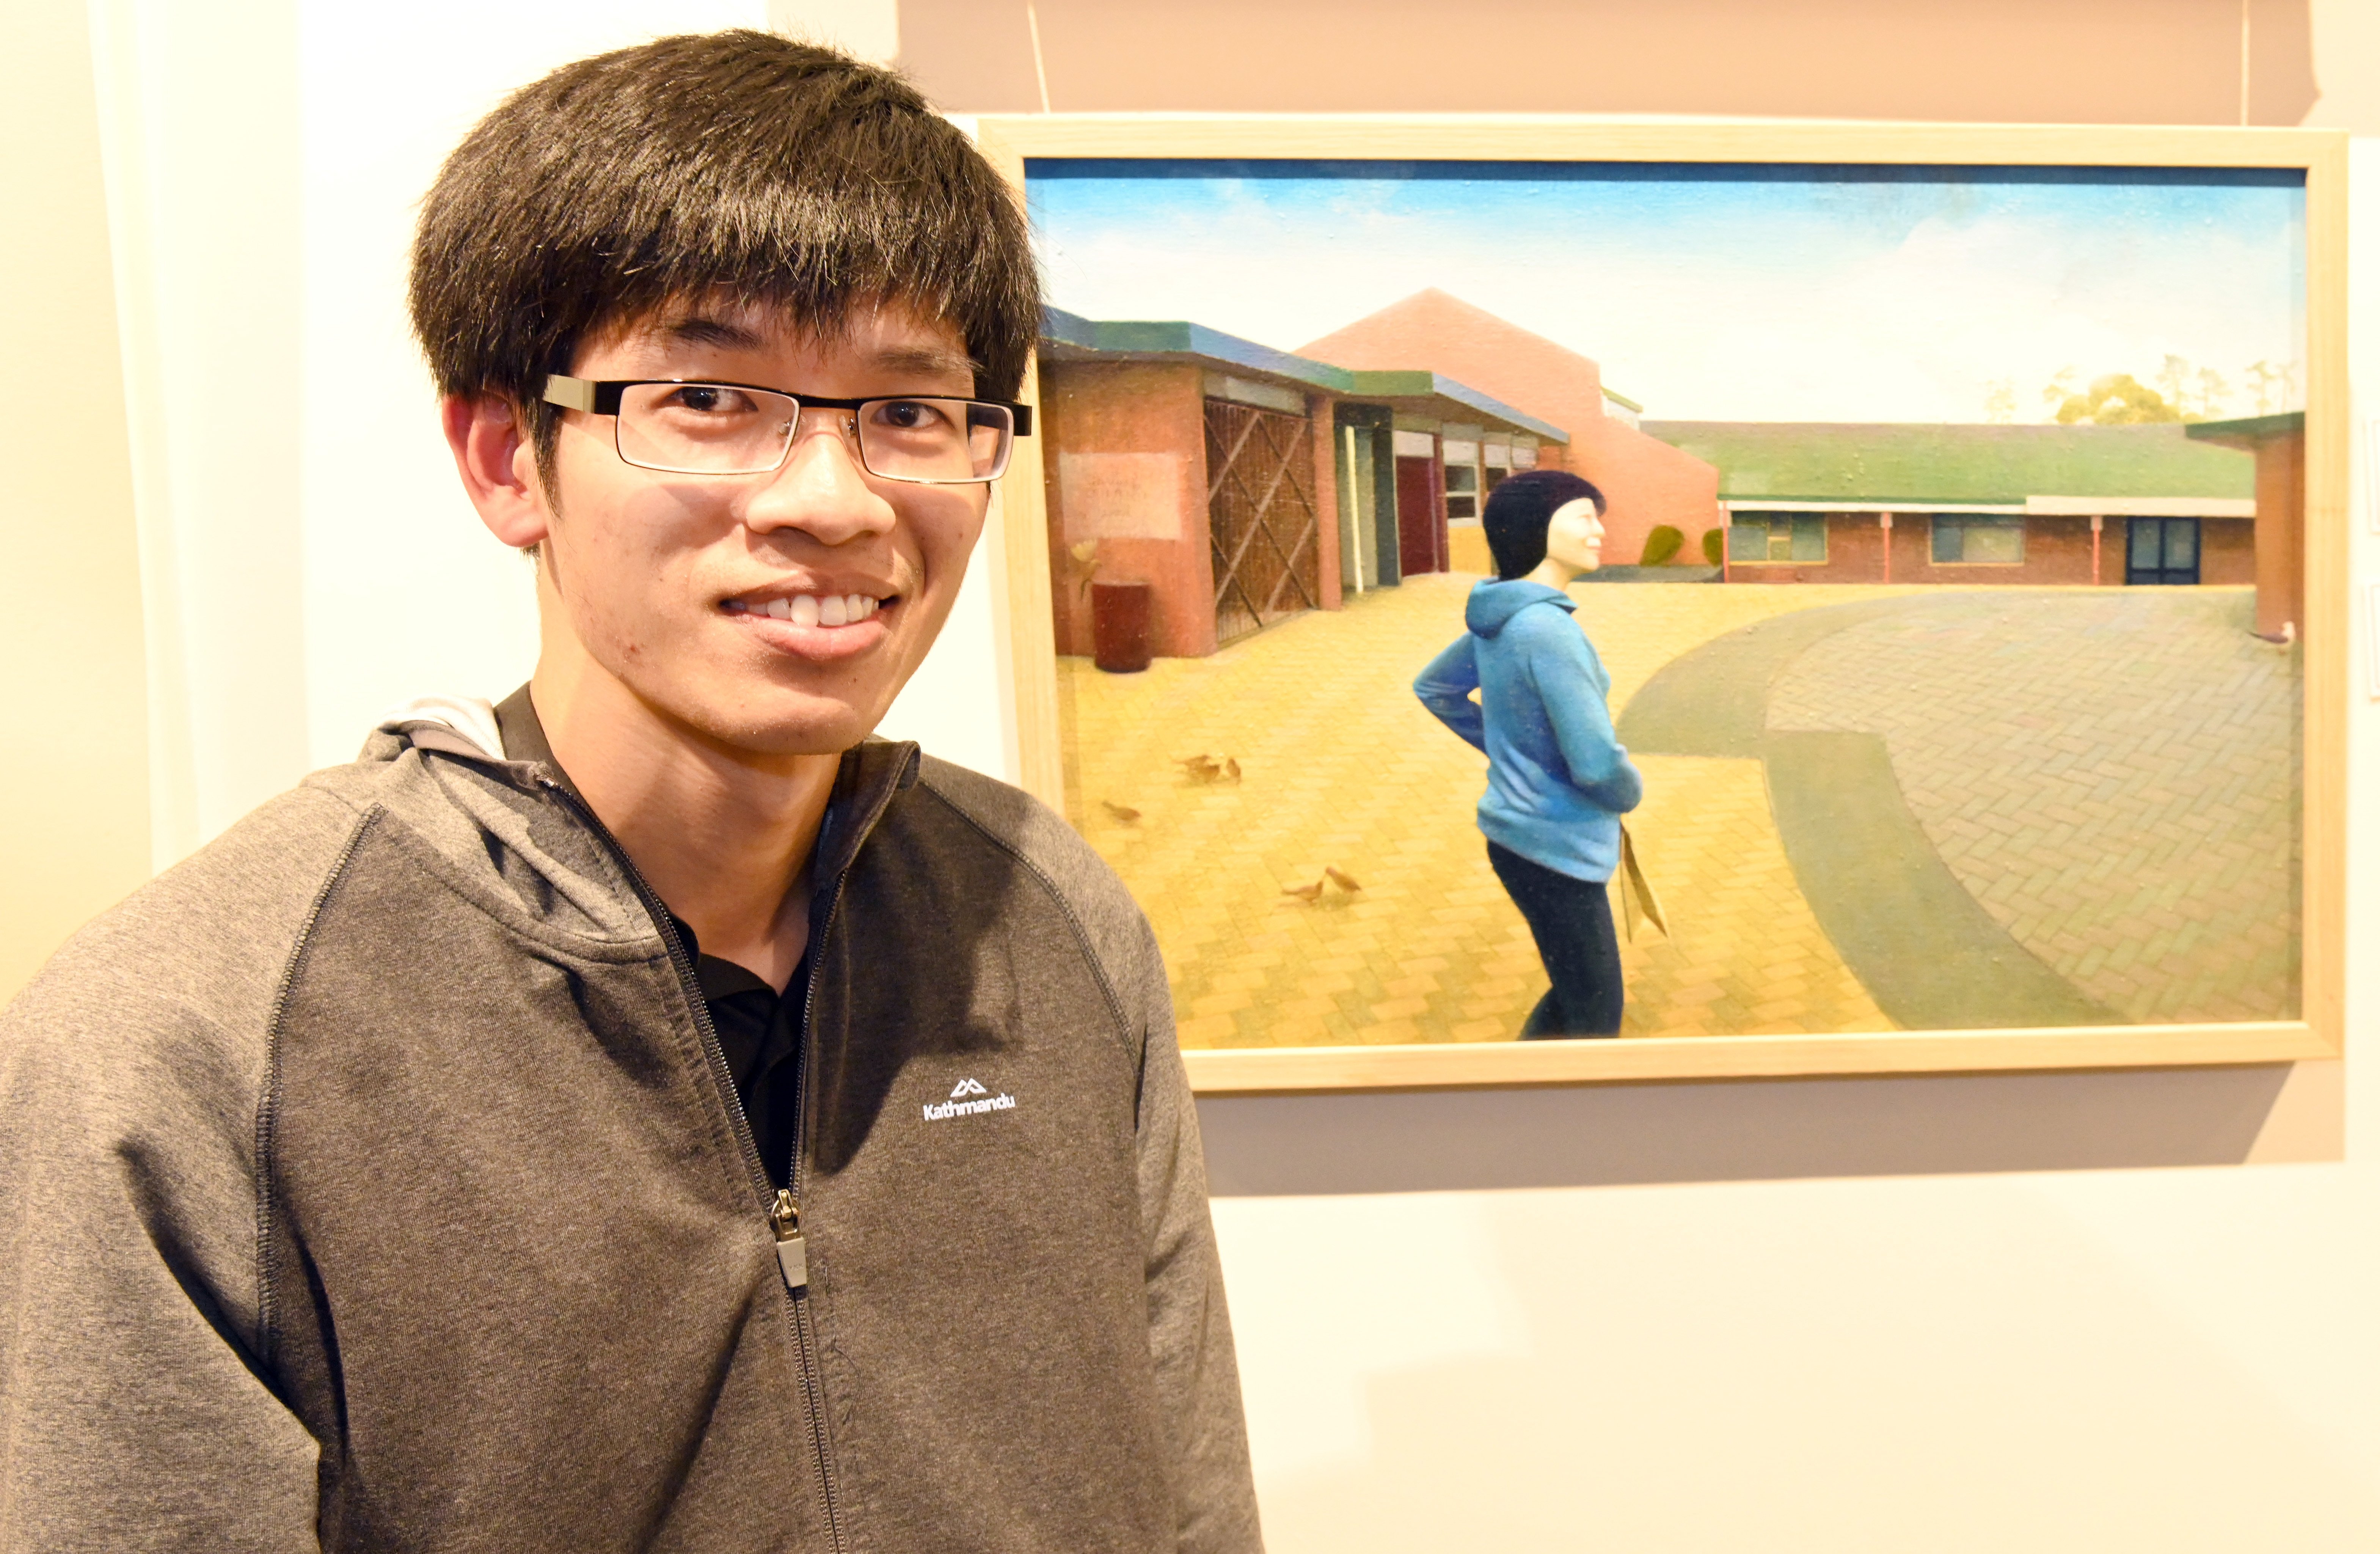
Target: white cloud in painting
x=1889, y=303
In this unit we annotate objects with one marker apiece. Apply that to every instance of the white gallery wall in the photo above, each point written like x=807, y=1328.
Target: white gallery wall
x=1768, y=1317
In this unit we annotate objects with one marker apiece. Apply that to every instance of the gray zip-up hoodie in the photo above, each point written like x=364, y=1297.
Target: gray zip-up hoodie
x=373, y=1176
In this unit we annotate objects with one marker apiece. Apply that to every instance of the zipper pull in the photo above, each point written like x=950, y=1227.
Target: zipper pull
x=793, y=1254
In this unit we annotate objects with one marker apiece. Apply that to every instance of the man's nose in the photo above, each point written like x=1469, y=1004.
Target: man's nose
x=822, y=487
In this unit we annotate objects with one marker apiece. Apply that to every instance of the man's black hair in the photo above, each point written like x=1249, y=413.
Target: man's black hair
x=1520, y=508
x=737, y=165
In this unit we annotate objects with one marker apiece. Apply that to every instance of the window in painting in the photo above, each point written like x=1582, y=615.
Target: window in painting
x=1973, y=541
x=1461, y=491
x=1777, y=537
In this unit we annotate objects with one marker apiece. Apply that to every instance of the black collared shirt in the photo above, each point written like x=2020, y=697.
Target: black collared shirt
x=760, y=1033
x=759, y=1029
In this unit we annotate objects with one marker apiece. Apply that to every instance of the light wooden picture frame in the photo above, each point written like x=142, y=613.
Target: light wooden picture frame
x=1271, y=1022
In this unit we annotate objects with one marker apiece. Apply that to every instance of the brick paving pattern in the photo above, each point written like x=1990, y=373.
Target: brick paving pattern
x=1340, y=767
x=2113, y=774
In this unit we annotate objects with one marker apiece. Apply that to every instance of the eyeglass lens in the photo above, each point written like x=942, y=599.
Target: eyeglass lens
x=711, y=429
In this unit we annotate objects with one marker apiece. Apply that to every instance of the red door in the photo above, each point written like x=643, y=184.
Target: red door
x=1421, y=520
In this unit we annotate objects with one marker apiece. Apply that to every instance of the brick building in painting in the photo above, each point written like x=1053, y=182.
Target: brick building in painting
x=1647, y=481
x=1244, y=484
x=1917, y=502
x=2277, y=444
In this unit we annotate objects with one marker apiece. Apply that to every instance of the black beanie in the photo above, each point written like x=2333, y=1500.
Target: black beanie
x=1518, y=511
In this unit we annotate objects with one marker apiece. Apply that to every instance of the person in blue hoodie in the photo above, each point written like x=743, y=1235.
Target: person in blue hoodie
x=1558, y=780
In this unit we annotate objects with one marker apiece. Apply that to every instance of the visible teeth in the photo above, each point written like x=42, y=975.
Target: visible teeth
x=804, y=608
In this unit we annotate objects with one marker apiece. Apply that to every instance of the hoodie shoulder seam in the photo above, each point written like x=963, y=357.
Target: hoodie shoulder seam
x=269, y=1092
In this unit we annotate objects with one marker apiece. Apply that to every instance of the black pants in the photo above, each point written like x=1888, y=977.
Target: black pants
x=1571, y=920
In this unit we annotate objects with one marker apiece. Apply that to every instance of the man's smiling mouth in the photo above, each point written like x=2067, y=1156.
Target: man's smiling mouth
x=829, y=610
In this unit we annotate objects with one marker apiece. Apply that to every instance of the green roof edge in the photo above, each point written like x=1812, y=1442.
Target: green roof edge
x=2248, y=426
x=1180, y=338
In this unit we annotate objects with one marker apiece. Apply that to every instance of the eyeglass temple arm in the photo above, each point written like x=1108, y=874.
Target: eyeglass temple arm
x=576, y=394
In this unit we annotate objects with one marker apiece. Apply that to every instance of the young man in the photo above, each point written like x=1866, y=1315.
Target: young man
x=644, y=1114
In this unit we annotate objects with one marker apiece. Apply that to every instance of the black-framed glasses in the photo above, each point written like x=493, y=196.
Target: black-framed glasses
x=686, y=428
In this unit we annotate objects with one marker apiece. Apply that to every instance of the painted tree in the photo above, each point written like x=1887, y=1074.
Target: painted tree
x=2214, y=392
x=2264, y=383
x=2118, y=399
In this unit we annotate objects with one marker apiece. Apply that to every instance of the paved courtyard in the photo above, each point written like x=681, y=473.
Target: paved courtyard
x=1339, y=768
x=2112, y=776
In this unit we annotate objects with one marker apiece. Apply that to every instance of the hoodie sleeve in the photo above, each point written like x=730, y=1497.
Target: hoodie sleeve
x=1445, y=688
x=1571, y=681
x=1189, y=1327
x=133, y=1397
x=1192, y=1361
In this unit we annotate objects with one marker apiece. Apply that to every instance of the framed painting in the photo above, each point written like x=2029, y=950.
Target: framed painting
x=1961, y=644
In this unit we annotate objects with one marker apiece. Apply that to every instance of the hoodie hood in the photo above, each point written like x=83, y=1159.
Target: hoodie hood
x=1493, y=604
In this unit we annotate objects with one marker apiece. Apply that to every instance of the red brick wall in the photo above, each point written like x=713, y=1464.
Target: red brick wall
x=2056, y=550
x=1322, y=416
x=1129, y=408
x=2226, y=552
x=1645, y=481
x=2280, y=533
x=1154, y=407
x=1435, y=332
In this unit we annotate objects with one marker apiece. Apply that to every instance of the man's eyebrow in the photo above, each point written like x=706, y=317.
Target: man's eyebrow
x=922, y=359
x=708, y=329
x=703, y=329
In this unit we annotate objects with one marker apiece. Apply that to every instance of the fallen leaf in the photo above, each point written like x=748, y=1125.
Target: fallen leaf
x=1118, y=811
x=1232, y=767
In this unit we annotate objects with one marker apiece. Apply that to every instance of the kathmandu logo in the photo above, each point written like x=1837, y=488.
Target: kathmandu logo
x=963, y=1104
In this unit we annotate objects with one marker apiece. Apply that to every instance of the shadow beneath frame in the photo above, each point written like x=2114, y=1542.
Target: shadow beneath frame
x=1737, y=1131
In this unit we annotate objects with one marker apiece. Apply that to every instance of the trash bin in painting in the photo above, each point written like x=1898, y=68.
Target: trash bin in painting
x=1120, y=627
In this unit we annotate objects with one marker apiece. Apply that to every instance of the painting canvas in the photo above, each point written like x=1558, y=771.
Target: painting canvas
x=1951, y=604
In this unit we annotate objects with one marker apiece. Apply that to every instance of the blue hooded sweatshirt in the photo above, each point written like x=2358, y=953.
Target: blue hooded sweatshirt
x=1558, y=780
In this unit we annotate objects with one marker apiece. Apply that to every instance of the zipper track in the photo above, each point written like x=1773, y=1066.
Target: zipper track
x=794, y=1182
x=764, y=1190
x=821, y=926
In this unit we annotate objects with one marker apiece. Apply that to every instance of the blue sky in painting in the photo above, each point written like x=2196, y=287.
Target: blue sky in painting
x=1767, y=298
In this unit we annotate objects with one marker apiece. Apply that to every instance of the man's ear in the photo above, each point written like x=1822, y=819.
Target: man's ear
x=498, y=466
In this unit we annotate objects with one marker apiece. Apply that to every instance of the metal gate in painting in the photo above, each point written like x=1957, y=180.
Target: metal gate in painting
x=1260, y=516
